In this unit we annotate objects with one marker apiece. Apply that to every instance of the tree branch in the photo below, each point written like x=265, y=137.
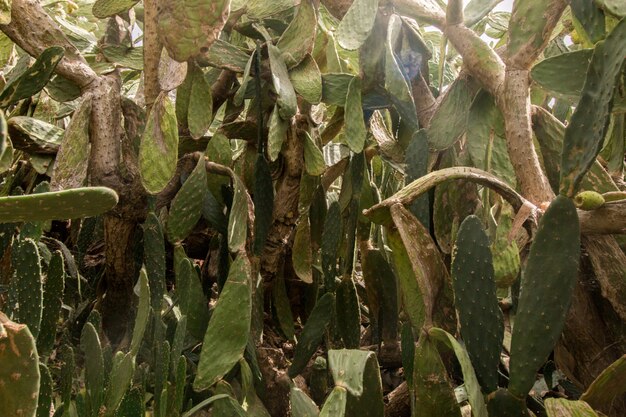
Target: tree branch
x=152, y=48
x=33, y=30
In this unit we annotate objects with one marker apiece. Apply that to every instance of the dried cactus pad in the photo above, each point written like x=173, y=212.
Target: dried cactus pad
x=189, y=27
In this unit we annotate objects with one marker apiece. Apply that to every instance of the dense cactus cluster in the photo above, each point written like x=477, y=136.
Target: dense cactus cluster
x=313, y=209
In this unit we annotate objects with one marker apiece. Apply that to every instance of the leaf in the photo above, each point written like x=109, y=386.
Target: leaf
x=172, y=73
x=34, y=79
x=227, y=335
x=306, y=79
x=189, y=27
x=286, y=100
x=238, y=219
x=125, y=57
x=355, y=130
x=186, y=207
x=158, y=151
x=298, y=39
x=200, y=113
x=591, y=19
x=588, y=125
x=72, y=161
x=357, y=24
x=301, y=251
x=106, y=8
x=121, y=377
x=312, y=333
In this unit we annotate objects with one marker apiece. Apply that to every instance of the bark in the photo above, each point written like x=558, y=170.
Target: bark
x=608, y=219
x=515, y=105
x=398, y=402
x=152, y=48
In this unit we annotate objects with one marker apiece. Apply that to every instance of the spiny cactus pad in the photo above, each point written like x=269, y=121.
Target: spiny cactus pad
x=19, y=373
x=476, y=302
x=546, y=290
x=67, y=204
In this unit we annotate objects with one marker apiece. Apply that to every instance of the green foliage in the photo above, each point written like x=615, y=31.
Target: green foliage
x=304, y=178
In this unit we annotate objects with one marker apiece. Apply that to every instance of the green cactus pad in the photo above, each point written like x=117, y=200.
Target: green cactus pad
x=449, y=122
x=34, y=135
x=67, y=204
x=154, y=259
x=357, y=24
x=591, y=18
x=472, y=387
x=312, y=333
x=28, y=283
x=52, y=300
x=106, y=8
x=355, y=129
x=121, y=377
x=502, y=403
x=45, y=392
x=277, y=134
x=200, y=113
x=188, y=28
x=434, y=394
x=585, y=132
x=158, y=151
x=306, y=79
x=546, y=290
x=349, y=320
x=238, y=218
x=34, y=79
x=227, y=335
x=286, y=100
x=608, y=386
x=263, y=202
x=19, y=373
x=301, y=404
x=193, y=303
x=335, y=404
x=481, y=320
x=72, y=161
x=298, y=39
x=186, y=208
x=94, y=369
x=301, y=255
x=143, y=313
x=549, y=73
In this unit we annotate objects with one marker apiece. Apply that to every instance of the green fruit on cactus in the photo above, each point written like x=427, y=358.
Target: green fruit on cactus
x=589, y=200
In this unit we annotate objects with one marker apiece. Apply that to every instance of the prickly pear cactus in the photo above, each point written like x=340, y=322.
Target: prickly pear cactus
x=546, y=290
x=27, y=281
x=19, y=370
x=475, y=299
x=189, y=27
x=67, y=204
